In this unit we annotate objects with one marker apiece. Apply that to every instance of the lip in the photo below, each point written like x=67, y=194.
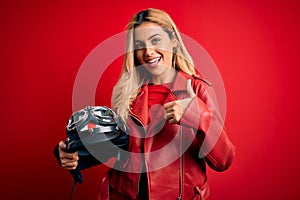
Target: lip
x=153, y=62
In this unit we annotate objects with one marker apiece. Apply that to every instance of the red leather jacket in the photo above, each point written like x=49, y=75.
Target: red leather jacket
x=156, y=147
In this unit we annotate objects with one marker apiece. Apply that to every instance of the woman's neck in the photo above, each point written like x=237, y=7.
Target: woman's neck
x=166, y=77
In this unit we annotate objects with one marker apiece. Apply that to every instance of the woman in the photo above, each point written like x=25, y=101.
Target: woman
x=174, y=127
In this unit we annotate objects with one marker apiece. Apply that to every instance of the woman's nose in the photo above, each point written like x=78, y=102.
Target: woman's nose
x=149, y=50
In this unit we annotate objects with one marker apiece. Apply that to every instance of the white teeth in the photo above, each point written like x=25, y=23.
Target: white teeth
x=153, y=61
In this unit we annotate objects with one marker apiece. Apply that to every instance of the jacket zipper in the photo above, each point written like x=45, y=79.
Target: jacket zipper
x=180, y=166
x=181, y=171
x=141, y=123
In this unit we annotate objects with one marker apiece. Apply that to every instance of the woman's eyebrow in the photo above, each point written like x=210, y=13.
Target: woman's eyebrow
x=153, y=36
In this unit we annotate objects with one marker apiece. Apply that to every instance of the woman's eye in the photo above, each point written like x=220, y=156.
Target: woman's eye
x=138, y=46
x=155, y=40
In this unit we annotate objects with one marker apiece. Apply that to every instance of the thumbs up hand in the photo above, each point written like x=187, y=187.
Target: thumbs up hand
x=175, y=109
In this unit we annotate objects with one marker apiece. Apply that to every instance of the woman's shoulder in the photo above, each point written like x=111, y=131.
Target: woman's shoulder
x=200, y=79
x=197, y=78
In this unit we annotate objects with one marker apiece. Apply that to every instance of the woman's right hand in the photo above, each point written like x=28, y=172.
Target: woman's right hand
x=68, y=161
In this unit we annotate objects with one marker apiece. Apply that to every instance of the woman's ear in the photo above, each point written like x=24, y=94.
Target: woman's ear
x=174, y=42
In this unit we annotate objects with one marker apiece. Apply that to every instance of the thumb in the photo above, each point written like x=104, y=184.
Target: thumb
x=62, y=145
x=189, y=89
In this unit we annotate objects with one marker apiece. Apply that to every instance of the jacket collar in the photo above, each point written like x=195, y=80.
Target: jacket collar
x=180, y=81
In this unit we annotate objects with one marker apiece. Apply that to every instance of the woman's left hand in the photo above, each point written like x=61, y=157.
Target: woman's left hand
x=175, y=109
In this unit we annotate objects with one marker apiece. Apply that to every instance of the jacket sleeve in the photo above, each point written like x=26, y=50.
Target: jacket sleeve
x=203, y=115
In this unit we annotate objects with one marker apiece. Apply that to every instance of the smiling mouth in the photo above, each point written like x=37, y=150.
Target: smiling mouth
x=153, y=62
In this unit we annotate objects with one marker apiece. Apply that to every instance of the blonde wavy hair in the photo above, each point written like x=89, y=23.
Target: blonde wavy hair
x=133, y=77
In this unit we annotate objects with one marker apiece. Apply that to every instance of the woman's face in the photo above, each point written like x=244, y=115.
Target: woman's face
x=153, y=48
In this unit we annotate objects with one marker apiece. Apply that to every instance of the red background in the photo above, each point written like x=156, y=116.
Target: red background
x=255, y=45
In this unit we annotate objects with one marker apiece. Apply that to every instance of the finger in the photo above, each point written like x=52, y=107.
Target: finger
x=69, y=156
x=66, y=163
x=62, y=145
x=169, y=116
x=172, y=106
x=174, y=120
x=189, y=89
x=63, y=154
x=176, y=107
x=169, y=104
x=70, y=166
x=170, y=110
x=173, y=117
